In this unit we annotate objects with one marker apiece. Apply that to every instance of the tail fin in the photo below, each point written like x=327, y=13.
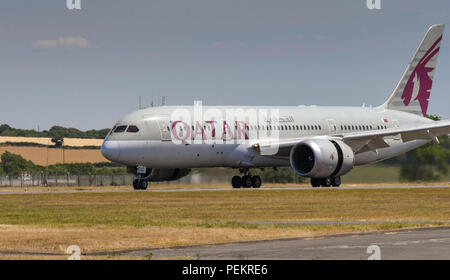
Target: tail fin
x=413, y=90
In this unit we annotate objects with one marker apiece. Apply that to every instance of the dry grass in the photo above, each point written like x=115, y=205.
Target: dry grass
x=75, y=142
x=180, y=186
x=48, y=239
x=38, y=155
x=111, y=221
x=37, y=239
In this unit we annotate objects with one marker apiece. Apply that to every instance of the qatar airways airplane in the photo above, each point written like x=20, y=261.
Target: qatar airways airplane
x=323, y=143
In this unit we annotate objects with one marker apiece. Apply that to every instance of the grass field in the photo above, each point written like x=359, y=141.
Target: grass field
x=107, y=221
x=38, y=155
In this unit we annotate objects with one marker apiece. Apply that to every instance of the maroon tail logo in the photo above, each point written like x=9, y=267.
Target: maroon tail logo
x=419, y=83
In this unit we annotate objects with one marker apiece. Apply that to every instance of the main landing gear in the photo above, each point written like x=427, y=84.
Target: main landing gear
x=326, y=182
x=246, y=181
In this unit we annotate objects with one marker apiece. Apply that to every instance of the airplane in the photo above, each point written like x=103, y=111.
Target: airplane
x=164, y=143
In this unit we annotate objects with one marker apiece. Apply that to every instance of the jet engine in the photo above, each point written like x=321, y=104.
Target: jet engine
x=321, y=158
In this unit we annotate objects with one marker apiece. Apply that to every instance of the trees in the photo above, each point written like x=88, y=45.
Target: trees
x=427, y=163
x=13, y=164
x=59, y=131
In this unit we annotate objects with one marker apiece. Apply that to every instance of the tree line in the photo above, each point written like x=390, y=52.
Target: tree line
x=57, y=132
x=427, y=163
x=14, y=165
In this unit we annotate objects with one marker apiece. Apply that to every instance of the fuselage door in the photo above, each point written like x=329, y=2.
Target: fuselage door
x=332, y=125
x=396, y=124
x=164, y=128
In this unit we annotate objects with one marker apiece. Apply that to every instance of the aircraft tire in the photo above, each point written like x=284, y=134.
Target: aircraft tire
x=256, y=181
x=247, y=181
x=325, y=182
x=136, y=184
x=315, y=182
x=236, y=182
x=143, y=184
x=336, y=181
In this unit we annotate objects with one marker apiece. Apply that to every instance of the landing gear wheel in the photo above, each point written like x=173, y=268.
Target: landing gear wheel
x=139, y=184
x=336, y=181
x=325, y=182
x=247, y=181
x=144, y=184
x=236, y=182
x=136, y=184
x=315, y=182
x=256, y=181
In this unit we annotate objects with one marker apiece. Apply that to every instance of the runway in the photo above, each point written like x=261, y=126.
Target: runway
x=29, y=190
x=422, y=243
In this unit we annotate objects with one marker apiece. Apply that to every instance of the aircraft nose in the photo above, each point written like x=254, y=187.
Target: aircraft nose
x=110, y=150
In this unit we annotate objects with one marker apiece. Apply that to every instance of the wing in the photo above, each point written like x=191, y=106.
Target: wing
x=364, y=140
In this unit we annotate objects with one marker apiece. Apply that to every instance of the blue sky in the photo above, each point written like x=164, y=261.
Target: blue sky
x=87, y=68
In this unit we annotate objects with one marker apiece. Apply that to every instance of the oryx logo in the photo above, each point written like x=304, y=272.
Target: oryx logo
x=73, y=4
x=419, y=83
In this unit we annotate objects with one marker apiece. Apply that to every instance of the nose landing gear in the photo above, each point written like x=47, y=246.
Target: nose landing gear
x=140, y=182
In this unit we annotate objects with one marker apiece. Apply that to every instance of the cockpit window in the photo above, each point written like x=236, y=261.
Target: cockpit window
x=120, y=128
x=133, y=128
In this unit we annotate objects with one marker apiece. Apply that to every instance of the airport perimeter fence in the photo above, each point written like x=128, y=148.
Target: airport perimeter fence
x=97, y=180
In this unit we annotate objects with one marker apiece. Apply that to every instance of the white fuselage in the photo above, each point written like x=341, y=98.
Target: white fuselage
x=165, y=140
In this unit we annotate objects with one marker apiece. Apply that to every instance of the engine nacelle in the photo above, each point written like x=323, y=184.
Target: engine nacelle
x=321, y=158
x=158, y=175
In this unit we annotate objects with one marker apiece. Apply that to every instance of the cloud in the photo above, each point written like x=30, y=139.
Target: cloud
x=320, y=37
x=70, y=42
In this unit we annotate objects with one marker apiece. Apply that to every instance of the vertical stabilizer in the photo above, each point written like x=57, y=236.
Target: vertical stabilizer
x=412, y=92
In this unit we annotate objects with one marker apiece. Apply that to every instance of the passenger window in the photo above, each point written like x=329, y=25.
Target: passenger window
x=133, y=129
x=120, y=128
